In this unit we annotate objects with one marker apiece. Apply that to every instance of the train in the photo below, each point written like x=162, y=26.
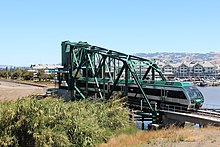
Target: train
x=169, y=95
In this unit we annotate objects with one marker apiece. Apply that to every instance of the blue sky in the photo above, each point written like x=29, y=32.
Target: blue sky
x=31, y=31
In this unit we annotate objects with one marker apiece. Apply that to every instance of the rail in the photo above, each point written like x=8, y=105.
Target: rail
x=207, y=113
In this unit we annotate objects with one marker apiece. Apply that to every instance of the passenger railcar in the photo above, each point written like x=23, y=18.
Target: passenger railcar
x=177, y=94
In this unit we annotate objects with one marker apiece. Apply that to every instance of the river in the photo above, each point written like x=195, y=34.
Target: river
x=211, y=96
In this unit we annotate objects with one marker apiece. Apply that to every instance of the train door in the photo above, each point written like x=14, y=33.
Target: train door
x=163, y=94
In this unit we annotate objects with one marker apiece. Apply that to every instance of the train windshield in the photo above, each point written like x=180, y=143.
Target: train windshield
x=193, y=92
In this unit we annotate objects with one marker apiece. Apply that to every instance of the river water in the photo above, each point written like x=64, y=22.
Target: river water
x=211, y=96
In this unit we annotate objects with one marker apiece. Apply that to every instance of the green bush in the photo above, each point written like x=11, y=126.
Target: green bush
x=53, y=122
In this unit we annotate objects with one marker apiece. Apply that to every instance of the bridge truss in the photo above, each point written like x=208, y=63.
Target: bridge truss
x=88, y=63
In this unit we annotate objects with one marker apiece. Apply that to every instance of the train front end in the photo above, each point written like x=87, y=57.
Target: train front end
x=195, y=96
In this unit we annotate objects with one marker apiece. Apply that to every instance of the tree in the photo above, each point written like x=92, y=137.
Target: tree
x=3, y=73
x=51, y=76
x=16, y=74
x=40, y=74
x=27, y=75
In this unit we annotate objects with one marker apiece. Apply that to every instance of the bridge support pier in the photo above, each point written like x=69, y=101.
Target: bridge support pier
x=142, y=123
x=169, y=122
x=202, y=126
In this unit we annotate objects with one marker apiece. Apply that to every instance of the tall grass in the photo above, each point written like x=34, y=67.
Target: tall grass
x=53, y=122
x=167, y=137
x=148, y=138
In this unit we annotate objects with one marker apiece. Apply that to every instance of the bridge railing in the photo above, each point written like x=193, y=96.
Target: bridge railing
x=174, y=108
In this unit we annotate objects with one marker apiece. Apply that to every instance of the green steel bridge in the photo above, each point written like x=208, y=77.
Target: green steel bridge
x=92, y=71
x=84, y=62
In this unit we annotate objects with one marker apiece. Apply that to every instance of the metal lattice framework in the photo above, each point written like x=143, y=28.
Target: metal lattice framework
x=84, y=62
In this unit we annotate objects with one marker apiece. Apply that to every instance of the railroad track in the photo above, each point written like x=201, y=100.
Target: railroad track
x=202, y=112
x=207, y=113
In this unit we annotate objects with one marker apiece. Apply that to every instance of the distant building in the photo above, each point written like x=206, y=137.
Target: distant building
x=218, y=70
x=190, y=69
x=169, y=70
x=47, y=68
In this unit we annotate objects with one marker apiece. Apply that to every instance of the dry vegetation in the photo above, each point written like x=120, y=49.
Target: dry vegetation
x=190, y=137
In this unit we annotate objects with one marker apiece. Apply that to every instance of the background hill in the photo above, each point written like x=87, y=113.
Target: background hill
x=180, y=57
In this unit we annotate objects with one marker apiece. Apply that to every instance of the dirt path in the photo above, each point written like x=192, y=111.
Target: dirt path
x=13, y=91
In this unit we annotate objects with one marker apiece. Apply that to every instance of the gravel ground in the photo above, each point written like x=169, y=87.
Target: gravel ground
x=13, y=91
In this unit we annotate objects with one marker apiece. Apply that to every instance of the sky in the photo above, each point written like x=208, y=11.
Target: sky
x=31, y=31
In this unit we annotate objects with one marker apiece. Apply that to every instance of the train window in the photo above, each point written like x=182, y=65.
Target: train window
x=80, y=84
x=117, y=88
x=193, y=92
x=154, y=92
x=134, y=90
x=176, y=94
x=91, y=85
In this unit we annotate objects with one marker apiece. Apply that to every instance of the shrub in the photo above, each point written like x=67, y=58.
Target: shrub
x=53, y=122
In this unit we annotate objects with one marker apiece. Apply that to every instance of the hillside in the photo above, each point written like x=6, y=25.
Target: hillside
x=180, y=57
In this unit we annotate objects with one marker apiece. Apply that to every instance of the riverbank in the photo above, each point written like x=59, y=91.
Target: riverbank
x=181, y=137
x=13, y=91
x=30, y=82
